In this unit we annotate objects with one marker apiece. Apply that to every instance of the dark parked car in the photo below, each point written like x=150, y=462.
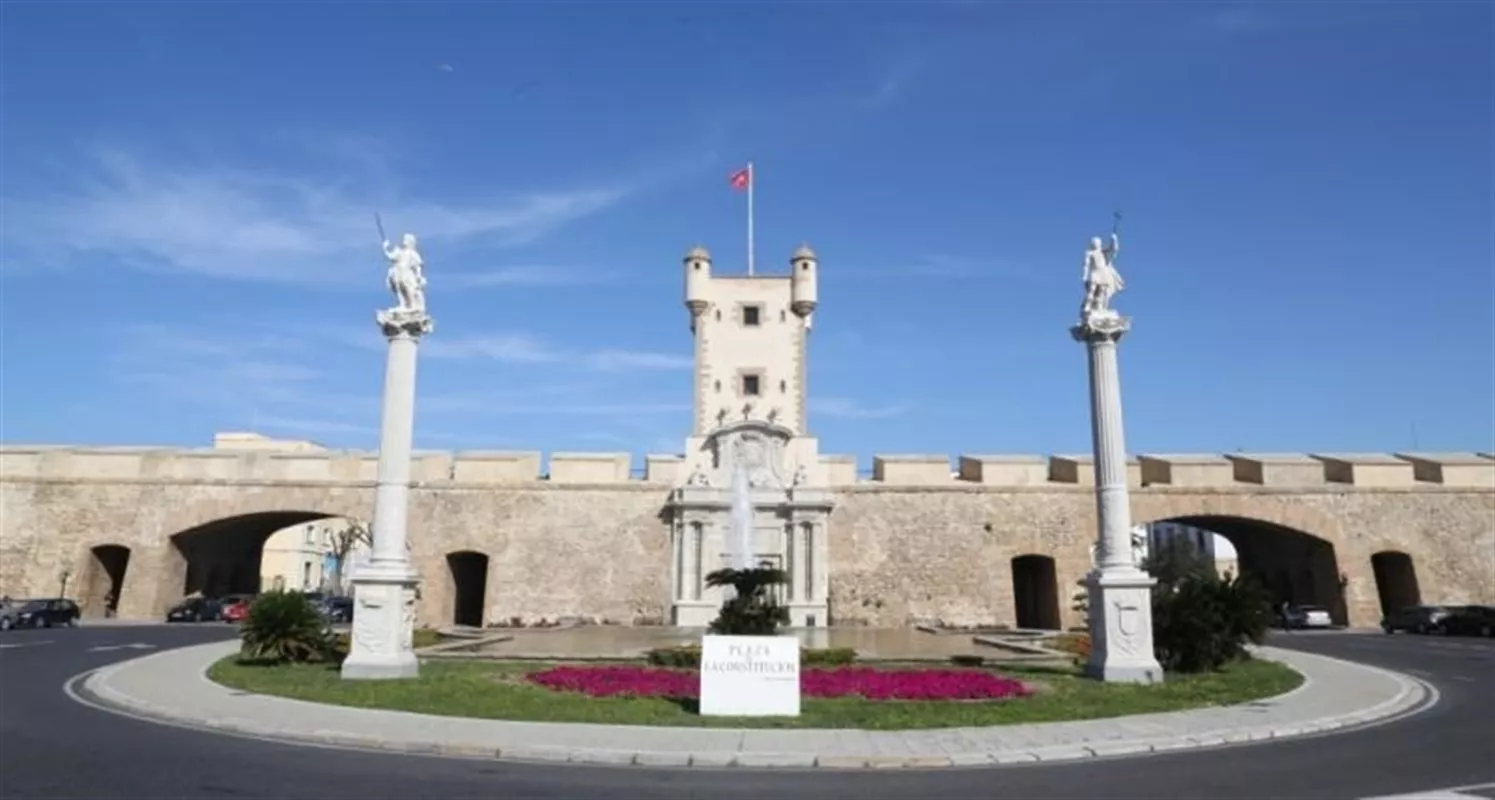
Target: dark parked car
x=1299, y=617
x=196, y=609
x=1470, y=621
x=337, y=609
x=1417, y=619
x=52, y=612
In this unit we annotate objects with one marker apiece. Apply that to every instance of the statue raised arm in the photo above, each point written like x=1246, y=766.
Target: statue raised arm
x=407, y=277
x=1102, y=281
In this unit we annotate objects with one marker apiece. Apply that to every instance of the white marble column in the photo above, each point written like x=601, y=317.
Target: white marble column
x=384, y=588
x=1120, y=594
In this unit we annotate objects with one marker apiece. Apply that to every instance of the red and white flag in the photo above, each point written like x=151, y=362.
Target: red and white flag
x=741, y=179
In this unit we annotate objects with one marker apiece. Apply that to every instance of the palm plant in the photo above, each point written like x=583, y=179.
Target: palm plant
x=285, y=626
x=753, y=609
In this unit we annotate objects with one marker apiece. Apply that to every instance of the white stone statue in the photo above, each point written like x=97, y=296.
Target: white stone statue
x=1102, y=281
x=407, y=277
x=801, y=475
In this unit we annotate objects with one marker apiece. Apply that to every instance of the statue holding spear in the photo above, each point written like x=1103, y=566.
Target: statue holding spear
x=407, y=278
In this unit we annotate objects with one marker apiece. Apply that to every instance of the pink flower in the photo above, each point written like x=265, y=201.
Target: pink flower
x=865, y=682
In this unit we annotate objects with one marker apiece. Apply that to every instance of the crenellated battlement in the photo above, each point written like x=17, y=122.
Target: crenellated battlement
x=497, y=468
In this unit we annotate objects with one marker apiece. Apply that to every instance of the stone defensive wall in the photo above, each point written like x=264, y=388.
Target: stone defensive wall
x=974, y=540
x=1248, y=471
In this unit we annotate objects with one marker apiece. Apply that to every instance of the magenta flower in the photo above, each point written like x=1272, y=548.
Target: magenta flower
x=864, y=682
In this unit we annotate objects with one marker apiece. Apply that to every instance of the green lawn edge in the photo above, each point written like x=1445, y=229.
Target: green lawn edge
x=498, y=691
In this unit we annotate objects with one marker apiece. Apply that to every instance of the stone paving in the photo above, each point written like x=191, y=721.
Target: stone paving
x=173, y=686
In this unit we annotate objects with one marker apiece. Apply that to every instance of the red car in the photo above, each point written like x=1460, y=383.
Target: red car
x=235, y=609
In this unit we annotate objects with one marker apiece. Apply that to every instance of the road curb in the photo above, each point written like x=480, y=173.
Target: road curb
x=1412, y=696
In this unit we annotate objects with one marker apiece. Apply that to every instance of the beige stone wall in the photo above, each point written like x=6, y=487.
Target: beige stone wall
x=599, y=551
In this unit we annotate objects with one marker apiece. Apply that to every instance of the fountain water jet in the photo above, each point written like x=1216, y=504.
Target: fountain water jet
x=740, y=550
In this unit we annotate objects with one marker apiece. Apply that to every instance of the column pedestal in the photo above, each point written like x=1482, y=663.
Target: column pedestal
x=384, y=589
x=1121, y=628
x=1119, y=594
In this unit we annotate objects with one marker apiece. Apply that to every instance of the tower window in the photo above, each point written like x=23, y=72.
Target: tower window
x=751, y=316
x=751, y=385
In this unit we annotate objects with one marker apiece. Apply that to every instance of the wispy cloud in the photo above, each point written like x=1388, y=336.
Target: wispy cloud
x=950, y=267
x=1237, y=20
x=527, y=275
x=893, y=84
x=233, y=222
x=524, y=348
x=242, y=377
x=850, y=409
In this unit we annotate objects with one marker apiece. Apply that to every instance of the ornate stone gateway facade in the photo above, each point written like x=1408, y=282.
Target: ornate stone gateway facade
x=791, y=515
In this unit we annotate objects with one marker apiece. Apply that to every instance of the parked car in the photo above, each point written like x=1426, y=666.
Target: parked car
x=235, y=607
x=1300, y=617
x=337, y=609
x=47, y=613
x=1470, y=621
x=1422, y=619
x=196, y=609
x=10, y=611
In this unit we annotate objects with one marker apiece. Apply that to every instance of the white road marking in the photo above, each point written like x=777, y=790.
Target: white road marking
x=1453, y=793
x=104, y=648
x=9, y=645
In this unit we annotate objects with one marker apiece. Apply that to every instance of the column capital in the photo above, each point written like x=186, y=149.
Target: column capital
x=400, y=323
x=1101, y=327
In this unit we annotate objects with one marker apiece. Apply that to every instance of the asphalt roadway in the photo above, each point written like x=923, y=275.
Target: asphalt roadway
x=51, y=746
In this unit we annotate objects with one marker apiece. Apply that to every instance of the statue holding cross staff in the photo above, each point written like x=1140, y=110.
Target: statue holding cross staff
x=1102, y=281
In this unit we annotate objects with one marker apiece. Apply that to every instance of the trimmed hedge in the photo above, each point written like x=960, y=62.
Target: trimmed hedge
x=689, y=656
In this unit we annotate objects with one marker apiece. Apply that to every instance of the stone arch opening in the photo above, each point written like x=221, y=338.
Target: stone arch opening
x=1035, y=592
x=1396, y=580
x=250, y=553
x=468, y=571
x=1294, y=566
x=104, y=579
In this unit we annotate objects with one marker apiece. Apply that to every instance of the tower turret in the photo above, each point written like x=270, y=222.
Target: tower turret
x=697, y=282
x=803, y=295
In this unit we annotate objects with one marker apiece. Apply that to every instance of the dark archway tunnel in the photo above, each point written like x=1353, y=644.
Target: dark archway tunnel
x=1294, y=566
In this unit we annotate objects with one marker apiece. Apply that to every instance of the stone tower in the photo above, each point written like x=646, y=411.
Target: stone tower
x=751, y=346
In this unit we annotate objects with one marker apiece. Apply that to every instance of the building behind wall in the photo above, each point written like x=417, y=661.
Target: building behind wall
x=304, y=558
x=1155, y=536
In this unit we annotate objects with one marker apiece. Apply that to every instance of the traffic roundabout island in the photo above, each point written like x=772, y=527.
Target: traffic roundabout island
x=883, y=697
x=853, y=716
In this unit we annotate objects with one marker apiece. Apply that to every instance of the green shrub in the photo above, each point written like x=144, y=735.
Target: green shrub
x=689, y=657
x=286, y=626
x=827, y=656
x=753, y=609
x=1202, y=622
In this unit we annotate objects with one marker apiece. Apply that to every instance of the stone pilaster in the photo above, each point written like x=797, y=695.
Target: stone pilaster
x=1120, y=594
x=384, y=589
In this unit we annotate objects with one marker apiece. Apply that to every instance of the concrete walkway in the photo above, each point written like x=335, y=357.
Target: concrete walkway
x=173, y=686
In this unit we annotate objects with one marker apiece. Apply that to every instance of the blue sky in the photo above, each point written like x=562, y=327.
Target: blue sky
x=188, y=242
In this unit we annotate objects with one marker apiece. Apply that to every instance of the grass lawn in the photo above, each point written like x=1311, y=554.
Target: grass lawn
x=499, y=691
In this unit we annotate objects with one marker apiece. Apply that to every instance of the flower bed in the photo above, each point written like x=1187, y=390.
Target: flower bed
x=863, y=682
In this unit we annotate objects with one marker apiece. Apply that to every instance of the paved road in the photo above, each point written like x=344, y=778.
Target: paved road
x=52, y=747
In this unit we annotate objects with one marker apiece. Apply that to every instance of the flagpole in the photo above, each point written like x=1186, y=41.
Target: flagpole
x=752, y=180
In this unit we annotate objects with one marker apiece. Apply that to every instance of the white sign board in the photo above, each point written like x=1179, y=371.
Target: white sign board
x=750, y=676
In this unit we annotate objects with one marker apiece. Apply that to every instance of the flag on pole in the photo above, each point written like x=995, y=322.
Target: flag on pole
x=742, y=181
